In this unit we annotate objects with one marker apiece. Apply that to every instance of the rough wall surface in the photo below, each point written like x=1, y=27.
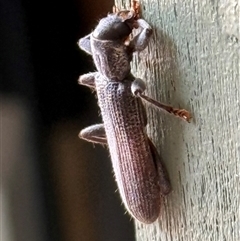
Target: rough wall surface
x=193, y=62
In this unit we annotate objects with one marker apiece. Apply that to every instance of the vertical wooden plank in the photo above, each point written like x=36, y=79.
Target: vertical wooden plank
x=192, y=62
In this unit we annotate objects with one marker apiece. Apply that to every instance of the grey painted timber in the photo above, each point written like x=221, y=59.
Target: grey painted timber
x=192, y=62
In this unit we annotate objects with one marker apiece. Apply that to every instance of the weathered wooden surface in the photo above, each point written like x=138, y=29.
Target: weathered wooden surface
x=193, y=62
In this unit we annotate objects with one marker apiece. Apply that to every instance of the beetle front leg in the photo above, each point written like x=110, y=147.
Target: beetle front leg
x=140, y=41
x=84, y=44
x=95, y=133
x=138, y=87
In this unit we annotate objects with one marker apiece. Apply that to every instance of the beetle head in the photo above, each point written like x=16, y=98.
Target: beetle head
x=116, y=26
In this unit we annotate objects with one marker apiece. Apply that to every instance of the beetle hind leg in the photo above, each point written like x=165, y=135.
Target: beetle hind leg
x=164, y=181
x=95, y=133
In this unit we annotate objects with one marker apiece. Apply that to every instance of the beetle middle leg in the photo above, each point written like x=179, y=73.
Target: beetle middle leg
x=182, y=113
x=88, y=79
x=138, y=87
x=95, y=133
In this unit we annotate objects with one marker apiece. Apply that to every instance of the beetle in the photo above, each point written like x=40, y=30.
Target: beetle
x=140, y=174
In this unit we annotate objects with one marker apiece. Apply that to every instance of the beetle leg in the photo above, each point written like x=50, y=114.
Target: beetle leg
x=84, y=44
x=164, y=181
x=138, y=87
x=182, y=113
x=140, y=41
x=95, y=133
x=88, y=79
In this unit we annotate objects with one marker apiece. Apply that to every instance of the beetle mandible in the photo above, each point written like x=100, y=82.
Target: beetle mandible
x=141, y=176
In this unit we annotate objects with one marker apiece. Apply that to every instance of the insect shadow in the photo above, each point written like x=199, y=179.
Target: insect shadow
x=164, y=78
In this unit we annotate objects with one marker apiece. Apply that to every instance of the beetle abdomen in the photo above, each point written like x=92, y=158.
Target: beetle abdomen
x=135, y=172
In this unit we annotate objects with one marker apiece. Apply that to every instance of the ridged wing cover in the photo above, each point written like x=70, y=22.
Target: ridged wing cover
x=132, y=161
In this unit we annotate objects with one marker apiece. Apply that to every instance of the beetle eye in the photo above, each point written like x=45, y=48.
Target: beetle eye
x=113, y=28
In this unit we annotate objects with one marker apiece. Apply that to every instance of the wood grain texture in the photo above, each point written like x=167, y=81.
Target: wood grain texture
x=192, y=62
